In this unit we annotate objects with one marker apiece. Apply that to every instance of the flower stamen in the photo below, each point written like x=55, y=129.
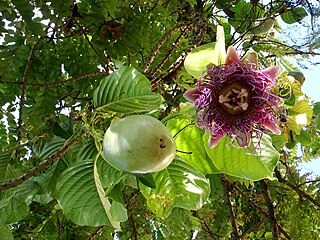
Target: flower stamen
x=235, y=98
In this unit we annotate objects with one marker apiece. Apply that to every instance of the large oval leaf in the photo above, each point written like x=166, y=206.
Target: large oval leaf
x=82, y=198
x=189, y=144
x=48, y=179
x=179, y=185
x=125, y=90
x=243, y=163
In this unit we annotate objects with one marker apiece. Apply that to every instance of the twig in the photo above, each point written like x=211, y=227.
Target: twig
x=158, y=46
x=254, y=228
x=248, y=199
x=271, y=215
x=24, y=88
x=257, y=208
x=307, y=182
x=89, y=42
x=207, y=227
x=226, y=192
x=59, y=227
x=178, y=63
x=96, y=232
x=167, y=56
x=296, y=188
x=284, y=232
x=40, y=167
x=62, y=83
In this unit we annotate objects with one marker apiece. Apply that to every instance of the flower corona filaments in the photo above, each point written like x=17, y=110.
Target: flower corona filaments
x=236, y=99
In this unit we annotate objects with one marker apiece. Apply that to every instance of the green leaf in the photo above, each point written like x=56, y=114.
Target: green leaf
x=317, y=122
x=118, y=212
x=304, y=138
x=299, y=116
x=278, y=141
x=244, y=163
x=81, y=196
x=126, y=91
x=51, y=146
x=316, y=108
x=189, y=144
x=24, y=9
x=87, y=151
x=5, y=232
x=12, y=209
x=25, y=192
x=49, y=178
x=6, y=170
x=179, y=185
x=294, y=15
x=146, y=179
x=221, y=4
x=112, y=216
x=78, y=197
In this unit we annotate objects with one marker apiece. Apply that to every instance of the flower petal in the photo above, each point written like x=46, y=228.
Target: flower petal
x=192, y=94
x=232, y=56
x=273, y=127
x=272, y=71
x=243, y=138
x=214, y=140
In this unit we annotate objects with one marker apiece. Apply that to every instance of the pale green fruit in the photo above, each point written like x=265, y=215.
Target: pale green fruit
x=138, y=144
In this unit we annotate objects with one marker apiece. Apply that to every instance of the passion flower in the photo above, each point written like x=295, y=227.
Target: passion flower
x=236, y=99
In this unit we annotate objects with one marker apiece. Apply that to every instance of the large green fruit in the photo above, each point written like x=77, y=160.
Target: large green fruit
x=138, y=144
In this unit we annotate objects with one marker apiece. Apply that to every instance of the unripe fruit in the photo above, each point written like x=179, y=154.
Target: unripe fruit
x=138, y=144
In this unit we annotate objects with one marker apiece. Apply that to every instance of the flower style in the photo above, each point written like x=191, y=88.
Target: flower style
x=236, y=99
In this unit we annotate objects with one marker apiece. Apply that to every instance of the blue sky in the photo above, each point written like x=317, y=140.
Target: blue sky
x=311, y=88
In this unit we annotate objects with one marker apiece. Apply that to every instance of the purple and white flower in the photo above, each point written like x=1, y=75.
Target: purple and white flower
x=236, y=99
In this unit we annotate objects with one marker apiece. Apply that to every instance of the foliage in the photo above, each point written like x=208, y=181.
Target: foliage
x=70, y=68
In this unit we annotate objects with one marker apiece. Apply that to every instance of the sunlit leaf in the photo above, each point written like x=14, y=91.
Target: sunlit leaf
x=179, y=185
x=299, y=116
x=244, y=163
x=189, y=144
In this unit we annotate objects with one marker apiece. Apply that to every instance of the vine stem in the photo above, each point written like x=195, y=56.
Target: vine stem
x=40, y=167
x=226, y=192
x=61, y=83
x=159, y=45
x=300, y=192
x=24, y=88
x=271, y=214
